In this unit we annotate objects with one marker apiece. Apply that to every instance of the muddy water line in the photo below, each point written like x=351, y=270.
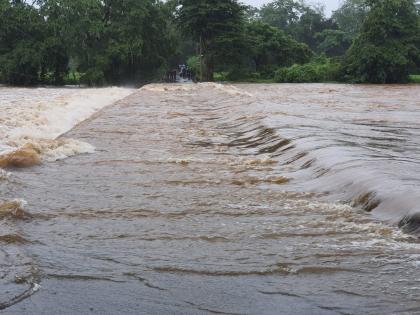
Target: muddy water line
x=218, y=199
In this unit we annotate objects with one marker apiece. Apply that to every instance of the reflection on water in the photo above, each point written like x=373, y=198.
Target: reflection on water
x=204, y=199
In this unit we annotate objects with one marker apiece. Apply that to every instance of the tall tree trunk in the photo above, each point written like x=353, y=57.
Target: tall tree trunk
x=208, y=71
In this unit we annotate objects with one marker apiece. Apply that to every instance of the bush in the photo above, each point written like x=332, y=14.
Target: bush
x=93, y=77
x=193, y=63
x=220, y=76
x=415, y=78
x=238, y=74
x=324, y=70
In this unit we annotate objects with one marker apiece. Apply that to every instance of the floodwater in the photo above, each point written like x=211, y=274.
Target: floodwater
x=212, y=199
x=39, y=115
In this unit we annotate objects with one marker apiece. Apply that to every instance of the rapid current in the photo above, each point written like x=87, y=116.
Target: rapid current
x=211, y=199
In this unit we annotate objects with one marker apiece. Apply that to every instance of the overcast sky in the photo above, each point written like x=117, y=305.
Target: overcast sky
x=330, y=5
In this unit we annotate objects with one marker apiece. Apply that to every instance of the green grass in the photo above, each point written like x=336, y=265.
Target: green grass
x=415, y=78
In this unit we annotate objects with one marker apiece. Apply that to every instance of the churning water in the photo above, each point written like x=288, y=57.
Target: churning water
x=217, y=199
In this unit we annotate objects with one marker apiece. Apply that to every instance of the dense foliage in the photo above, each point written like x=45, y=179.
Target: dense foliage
x=107, y=41
x=218, y=27
x=385, y=49
x=297, y=19
x=321, y=69
x=272, y=47
x=132, y=41
x=22, y=48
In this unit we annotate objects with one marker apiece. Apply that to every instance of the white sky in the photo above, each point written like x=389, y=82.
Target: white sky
x=330, y=5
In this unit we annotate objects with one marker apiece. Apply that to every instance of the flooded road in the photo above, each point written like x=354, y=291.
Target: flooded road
x=211, y=199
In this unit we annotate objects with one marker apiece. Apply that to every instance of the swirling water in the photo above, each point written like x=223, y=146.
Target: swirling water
x=203, y=199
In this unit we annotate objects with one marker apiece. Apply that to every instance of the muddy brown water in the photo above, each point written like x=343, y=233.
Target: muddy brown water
x=210, y=199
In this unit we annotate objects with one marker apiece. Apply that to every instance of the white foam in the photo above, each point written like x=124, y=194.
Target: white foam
x=22, y=203
x=36, y=115
x=227, y=88
x=4, y=175
x=186, y=160
x=36, y=287
x=161, y=87
x=54, y=150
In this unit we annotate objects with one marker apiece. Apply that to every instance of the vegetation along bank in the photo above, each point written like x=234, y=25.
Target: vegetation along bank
x=107, y=42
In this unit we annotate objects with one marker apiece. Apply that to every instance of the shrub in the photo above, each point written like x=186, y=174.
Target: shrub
x=93, y=77
x=321, y=70
x=194, y=64
x=415, y=78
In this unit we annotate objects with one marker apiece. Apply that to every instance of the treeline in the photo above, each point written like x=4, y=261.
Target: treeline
x=364, y=41
x=99, y=42
x=92, y=41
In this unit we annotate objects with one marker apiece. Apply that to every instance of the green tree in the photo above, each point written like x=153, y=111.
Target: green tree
x=107, y=41
x=217, y=25
x=385, y=49
x=311, y=22
x=79, y=26
x=333, y=42
x=113, y=41
x=283, y=14
x=297, y=19
x=183, y=46
x=22, y=31
x=350, y=16
x=271, y=47
x=137, y=40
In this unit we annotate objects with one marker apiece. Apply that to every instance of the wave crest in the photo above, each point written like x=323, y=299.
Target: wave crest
x=13, y=209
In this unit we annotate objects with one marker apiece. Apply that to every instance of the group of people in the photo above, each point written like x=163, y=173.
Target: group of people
x=183, y=71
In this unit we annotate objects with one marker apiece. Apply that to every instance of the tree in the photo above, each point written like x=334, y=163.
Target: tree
x=217, y=25
x=107, y=41
x=272, y=47
x=183, y=46
x=311, y=22
x=137, y=40
x=333, y=42
x=112, y=42
x=77, y=25
x=283, y=14
x=385, y=49
x=350, y=16
x=297, y=19
x=22, y=31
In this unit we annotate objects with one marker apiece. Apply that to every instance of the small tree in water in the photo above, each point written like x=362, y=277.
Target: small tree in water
x=385, y=50
x=217, y=25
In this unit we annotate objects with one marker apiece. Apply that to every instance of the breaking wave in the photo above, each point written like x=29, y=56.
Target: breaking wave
x=32, y=120
x=226, y=88
x=14, y=209
x=353, y=145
